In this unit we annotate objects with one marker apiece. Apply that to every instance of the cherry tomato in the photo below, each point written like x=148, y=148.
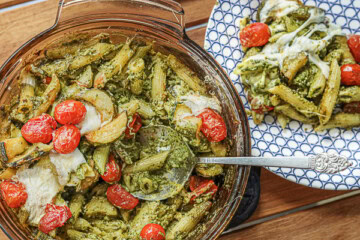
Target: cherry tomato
x=350, y=74
x=199, y=186
x=353, y=107
x=70, y=112
x=255, y=35
x=195, y=181
x=152, y=231
x=47, y=80
x=354, y=45
x=66, y=139
x=134, y=126
x=39, y=129
x=119, y=197
x=55, y=216
x=213, y=125
x=14, y=193
x=113, y=172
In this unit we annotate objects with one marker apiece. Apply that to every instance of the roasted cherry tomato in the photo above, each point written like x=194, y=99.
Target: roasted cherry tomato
x=152, y=231
x=47, y=80
x=354, y=45
x=350, y=74
x=134, y=126
x=255, y=35
x=39, y=129
x=199, y=185
x=119, y=197
x=353, y=107
x=55, y=216
x=213, y=125
x=14, y=193
x=66, y=139
x=113, y=171
x=70, y=112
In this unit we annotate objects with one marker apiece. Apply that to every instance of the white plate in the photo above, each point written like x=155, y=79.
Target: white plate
x=269, y=139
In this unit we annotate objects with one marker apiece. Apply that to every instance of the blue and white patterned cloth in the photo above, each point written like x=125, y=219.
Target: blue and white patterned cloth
x=269, y=139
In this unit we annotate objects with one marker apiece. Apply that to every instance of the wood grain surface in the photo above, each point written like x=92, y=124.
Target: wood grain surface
x=277, y=195
x=335, y=221
x=8, y=3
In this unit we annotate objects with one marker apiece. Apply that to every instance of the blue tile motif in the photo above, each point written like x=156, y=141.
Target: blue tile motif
x=269, y=139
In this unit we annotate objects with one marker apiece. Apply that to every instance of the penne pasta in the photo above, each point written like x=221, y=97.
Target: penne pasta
x=101, y=156
x=349, y=94
x=283, y=120
x=292, y=65
x=186, y=74
x=158, y=84
x=49, y=96
x=147, y=164
x=344, y=120
x=348, y=58
x=302, y=105
x=318, y=85
x=86, y=78
x=27, y=92
x=290, y=112
x=329, y=98
x=90, y=55
x=188, y=221
x=115, y=65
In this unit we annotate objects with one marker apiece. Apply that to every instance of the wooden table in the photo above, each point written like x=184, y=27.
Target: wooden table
x=285, y=211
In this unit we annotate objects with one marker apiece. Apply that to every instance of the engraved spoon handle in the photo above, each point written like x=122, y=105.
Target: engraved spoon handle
x=323, y=162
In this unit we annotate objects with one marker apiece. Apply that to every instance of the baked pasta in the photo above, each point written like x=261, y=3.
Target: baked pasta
x=70, y=153
x=298, y=65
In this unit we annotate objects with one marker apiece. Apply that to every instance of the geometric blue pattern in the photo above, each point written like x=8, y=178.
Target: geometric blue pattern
x=269, y=139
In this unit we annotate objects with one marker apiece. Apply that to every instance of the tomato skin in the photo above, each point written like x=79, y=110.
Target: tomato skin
x=47, y=80
x=213, y=125
x=255, y=35
x=70, y=112
x=119, y=197
x=354, y=45
x=14, y=193
x=66, y=139
x=113, y=171
x=152, y=231
x=353, y=107
x=200, y=185
x=133, y=127
x=350, y=74
x=55, y=216
x=39, y=129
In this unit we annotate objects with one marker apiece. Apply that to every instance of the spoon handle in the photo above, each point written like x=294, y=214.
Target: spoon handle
x=323, y=162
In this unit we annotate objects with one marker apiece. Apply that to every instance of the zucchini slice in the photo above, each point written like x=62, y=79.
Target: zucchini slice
x=32, y=154
x=11, y=147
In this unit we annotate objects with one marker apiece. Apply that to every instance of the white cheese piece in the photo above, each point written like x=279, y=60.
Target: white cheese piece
x=289, y=45
x=65, y=164
x=92, y=120
x=41, y=187
x=198, y=103
x=278, y=8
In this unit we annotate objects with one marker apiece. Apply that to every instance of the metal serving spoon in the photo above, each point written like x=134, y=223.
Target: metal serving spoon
x=164, y=138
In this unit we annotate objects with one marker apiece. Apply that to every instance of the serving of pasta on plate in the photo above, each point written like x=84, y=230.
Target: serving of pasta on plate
x=70, y=152
x=300, y=66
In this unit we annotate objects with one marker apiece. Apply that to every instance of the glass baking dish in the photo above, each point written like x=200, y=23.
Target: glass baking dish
x=162, y=22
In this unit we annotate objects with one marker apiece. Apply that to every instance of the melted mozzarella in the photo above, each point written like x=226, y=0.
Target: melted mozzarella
x=278, y=8
x=41, y=187
x=198, y=103
x=66, y=164
x=92, y=120
x=289, y=45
